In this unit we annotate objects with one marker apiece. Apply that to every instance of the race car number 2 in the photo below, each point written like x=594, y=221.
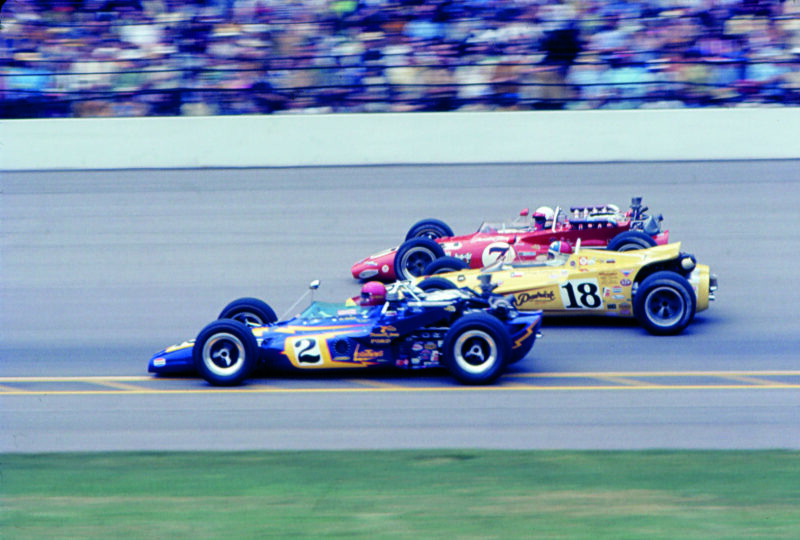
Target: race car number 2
x=306, y=351
x=581, y=294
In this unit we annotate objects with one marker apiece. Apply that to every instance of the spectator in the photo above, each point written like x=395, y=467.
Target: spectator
x=159, y=57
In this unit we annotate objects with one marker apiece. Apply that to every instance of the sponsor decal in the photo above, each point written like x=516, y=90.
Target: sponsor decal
x=618, y=297
x=624, y=306
x=626, y=273
x=367, y=355
x=383, y=334
x=450, y=308
x=616, y=290
x=537, y=297
x=611, y=306
x=430, y=345
x=416, y=347
x=466, y=257
x=611, y=261
x=160, y=362
x=625, y=283
x=516, y=274
x=385, y=268
x=582, y=261
x=451, y=246
x=370, y=263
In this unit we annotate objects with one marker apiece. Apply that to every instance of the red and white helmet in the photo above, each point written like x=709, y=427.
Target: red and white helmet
x=372, y=294
x=545, y=211
x=557, y=248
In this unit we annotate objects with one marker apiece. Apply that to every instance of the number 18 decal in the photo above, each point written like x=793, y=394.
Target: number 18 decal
x=581, y=294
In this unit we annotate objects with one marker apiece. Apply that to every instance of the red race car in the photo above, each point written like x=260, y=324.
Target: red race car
x=431, y=247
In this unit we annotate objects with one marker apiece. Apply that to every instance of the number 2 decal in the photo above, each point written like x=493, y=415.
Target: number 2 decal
x=307, y=350
x=581, y=294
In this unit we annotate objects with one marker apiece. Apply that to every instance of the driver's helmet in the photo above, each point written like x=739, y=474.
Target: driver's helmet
x=546, y=211
x=558, y=248
x=372, y=294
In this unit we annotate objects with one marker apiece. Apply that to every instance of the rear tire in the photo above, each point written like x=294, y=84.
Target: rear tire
x=477, y=349
x=414, y=255
x=445, y=264
x=225, y=352
x=664, y=303
x=631, y=240
x=429, y=228
x=436, y=284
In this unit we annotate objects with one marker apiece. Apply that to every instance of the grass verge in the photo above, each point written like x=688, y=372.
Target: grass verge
x=401, y=494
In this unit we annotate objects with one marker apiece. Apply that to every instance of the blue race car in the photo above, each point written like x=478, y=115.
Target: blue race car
x=475, y=335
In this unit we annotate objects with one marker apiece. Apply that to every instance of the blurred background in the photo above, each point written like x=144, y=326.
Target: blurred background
x=123, y=58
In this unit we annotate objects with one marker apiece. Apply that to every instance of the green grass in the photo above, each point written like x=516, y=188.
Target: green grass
x=401, y=494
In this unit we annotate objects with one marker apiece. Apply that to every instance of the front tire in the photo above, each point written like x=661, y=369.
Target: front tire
x=249, y=311
x=630, y=241
x=429, y=228
x=414, y=255
x=477, y=349
x=664, y=303
x=225, y=352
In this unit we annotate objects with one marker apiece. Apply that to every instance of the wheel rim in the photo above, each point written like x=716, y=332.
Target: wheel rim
x=475, y=351
x=249, y=318
x=664, y=306
x=223, y=354
x=415, y=260
x=630, y=247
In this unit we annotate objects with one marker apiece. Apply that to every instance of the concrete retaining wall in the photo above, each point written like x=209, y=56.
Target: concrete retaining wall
x=418, y=138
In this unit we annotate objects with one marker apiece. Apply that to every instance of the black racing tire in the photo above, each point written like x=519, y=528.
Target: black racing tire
x=631, y=240
x=436, y=284
x=414, y=255
x=445, y=264
x=664, y=303
x=250, y=311
x=429, y=228
x=477, y=349
x=225, y=352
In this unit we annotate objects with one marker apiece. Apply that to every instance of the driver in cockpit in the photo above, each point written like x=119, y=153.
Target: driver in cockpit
x=558, y=253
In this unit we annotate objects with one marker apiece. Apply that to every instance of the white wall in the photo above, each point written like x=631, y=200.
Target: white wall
x=346, y=139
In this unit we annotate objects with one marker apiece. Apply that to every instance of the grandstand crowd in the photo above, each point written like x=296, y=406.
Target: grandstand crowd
x=86, y=58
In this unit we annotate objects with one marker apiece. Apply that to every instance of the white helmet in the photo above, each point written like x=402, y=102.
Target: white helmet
x=546, y=211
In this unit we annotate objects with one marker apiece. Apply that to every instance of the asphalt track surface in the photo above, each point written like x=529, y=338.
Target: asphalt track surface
x=102, y=269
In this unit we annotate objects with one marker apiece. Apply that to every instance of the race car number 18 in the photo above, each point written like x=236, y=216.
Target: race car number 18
x=581, y=294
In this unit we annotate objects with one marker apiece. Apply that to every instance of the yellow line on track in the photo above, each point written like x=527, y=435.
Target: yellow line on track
x=511, y=388
x=126, y=385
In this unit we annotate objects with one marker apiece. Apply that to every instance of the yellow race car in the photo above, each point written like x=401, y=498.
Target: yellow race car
x=662, y=286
